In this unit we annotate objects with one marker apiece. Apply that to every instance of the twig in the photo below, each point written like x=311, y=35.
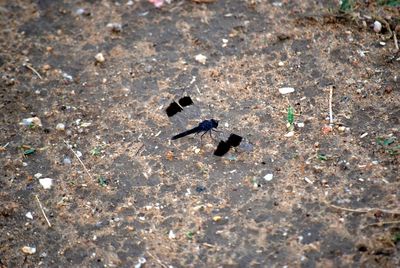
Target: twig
x=396, y=45
x=365, y=210
x=77, y=156
x=4, y=146
x=33, y=70
x=41, y=208
x=157, y=260
x=138, y=150
x=380, y=223
x=330, y=106
x=209, y=245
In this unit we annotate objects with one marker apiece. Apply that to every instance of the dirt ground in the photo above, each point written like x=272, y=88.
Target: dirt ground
x=302, y=194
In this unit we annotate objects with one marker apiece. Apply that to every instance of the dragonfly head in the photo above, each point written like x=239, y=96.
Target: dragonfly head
x=215, y=123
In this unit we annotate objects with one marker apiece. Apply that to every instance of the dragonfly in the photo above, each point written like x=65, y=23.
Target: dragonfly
x=204, y=127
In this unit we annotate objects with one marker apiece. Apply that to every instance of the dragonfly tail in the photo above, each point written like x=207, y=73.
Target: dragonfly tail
x=185, y=133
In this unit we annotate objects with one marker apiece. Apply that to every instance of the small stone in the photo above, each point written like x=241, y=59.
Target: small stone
x=171, y=235
x=28, y=250
x=269, y=177
x=201, y=58
x=100, y=58
x=289, y=134
x=29, y=215
x=308, y=180
x=38, y=175
x=35, y=121
x=60, y=127
x=217, y=218
x=46, y=183
x=281, y=63
x=300, y=125
x=342, y=128
x=148, y=68
x=286, y=90
x=67, y=161
x=115, y=27
x=46, y=67
x=377, y=26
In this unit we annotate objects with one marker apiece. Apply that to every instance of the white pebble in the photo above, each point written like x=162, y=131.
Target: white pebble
x=377, y=26
x=28, y=250
x=308, y=180
x=99, y=57
x=46, y=183
x=60, y=127
x=289, y=134
x=38, y=175
x=67, y=161
x=286, y=90
x=201, y=58
x=29, y=215
x=171, y=235
x=269, y=177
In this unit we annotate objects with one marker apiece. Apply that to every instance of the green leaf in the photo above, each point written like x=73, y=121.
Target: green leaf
x=322, y=157
x=290, y=115
x=346, y=5
x=389, y=141
x=391, y=3
x=103, y=182
x=95, y=151
x=190, y=235
x=394, y=151
x=396, y=237
x=29, y=151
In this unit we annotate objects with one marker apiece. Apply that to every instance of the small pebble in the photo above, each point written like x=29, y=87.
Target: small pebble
x=171, y=235
x=148, y=68
x=286, y=90
x=289, y=134
x=60, y=127
x=217, y=218
x=46, y=183
x=308, y=180
x=28, y=250
x=300, y=125
x=100, y=58
x=377, y=26
x=115, y=27
x=269, y=177
x=38, y=175
x=67, y=161
x=201, y=58
x=29, y=215
x=31, y=121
